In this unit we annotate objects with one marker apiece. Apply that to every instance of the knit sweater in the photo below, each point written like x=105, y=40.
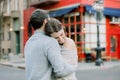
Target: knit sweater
x=43, y=59
x=70, y=56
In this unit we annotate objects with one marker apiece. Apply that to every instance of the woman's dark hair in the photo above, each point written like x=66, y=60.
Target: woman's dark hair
x=53, y=25
x=37, y=18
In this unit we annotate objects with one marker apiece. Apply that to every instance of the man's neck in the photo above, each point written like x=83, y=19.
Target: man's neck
x=40, y=29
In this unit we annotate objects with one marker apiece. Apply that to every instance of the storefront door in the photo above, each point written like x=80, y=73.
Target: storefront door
x=115, y=46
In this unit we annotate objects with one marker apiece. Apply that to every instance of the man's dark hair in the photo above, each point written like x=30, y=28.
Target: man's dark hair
x=37, y=18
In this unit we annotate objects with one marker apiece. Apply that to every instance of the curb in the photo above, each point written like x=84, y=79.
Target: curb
x=10, y=65
x=21, y=67
x=6, y=65
x=82, y=66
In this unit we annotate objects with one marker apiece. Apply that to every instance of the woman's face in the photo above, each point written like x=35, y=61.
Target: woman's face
x=60, y=36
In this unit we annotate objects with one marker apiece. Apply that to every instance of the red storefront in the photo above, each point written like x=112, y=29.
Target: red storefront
x=71, y=13
x=113, y=39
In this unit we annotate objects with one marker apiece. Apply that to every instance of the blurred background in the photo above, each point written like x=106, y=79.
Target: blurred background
x=94, y=25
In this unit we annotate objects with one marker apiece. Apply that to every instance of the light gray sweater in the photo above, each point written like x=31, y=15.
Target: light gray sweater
x=70, y=56
x=43, y=59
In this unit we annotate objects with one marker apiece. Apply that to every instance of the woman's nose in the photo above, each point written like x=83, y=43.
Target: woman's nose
x=60, y=38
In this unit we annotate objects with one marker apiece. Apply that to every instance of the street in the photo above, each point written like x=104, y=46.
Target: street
x=99, y=74
x=12, y=73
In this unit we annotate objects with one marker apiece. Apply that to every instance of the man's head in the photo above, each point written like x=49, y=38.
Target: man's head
x=55, y=29
x=38, y=18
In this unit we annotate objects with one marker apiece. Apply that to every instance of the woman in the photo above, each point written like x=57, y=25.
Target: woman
x=55, y=29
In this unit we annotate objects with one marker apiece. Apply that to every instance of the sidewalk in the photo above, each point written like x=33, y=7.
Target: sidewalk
x=14, y=61
x=18, y=63
x=105, y=65
x=81, y=65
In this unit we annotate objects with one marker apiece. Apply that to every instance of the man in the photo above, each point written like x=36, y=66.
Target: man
x=42, y=53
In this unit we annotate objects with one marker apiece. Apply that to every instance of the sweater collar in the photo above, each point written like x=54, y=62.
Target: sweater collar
x=38, y=31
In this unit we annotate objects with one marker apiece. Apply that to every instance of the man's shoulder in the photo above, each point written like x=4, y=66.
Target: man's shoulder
x=41, y=39
x=50, y=39
x=50, y=43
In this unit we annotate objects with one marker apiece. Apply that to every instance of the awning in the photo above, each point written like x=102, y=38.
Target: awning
x=106, y=11
x=112, y=12
x=63, y=11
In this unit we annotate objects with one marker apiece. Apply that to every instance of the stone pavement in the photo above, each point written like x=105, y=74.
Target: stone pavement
x=20, y=63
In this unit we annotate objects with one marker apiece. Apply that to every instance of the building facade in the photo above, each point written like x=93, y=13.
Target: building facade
x=78, y=18
x=11, y=27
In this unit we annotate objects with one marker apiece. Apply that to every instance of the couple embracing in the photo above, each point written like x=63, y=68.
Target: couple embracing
x=49, y=53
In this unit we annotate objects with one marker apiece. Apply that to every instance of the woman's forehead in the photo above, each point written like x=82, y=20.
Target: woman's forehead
x=57, y=34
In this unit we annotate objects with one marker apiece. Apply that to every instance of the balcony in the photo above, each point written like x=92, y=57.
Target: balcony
x=15, y=13
x=40, y=3
x=6, y=14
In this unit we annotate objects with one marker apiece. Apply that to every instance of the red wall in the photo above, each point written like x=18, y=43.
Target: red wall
x=27, y=13
x=112, y=3
x=62, y=3
x=107, y=3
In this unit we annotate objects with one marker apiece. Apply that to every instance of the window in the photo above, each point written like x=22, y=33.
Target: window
x=8, y=6
x=90, y=29
x=66, y=20
x=2, y=36
x=78, y=18
x=16, y=5
x=2, y=32
x=78, y=29
x=16, y=24
x=9, y=50
x=72, y=19
x=113, y=43
x=3, y=51
x=9, y=35
x=73, y=27
x=78, y=37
